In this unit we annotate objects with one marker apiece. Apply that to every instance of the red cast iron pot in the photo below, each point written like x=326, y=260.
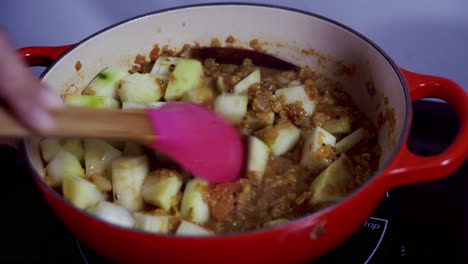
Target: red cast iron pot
x=290, y=34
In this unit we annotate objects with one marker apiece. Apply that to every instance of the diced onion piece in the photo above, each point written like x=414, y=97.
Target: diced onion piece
x=341, y=125
x=201, y=95
x=335, y=182
x=245, y=83
x=64, y=164
x=233, y=107
x=255, y=121
x=102, y=183
x=288, y=136
x=296, y=94
x=91, y=101
x=350, y=140
x=161, y=187
x=128, y=174
x=75, y=147
x=155, y=104
x=162, y=66
x=193, y=206
x=152, y=223
x=283, y=80
x=140, y=87
x=315, y=140
x=112, y=213
x=220, y=85
x=257, y=156
x=132, y=105
x=187, y=228
x=281, y=138
x=187, y=75
x=106, y=82
x=276, y=222
x=50, y=147
x=99, y=156
x=294, y=83
x=80, y=192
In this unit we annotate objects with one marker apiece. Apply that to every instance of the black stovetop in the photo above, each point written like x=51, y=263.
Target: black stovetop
x=423, y=223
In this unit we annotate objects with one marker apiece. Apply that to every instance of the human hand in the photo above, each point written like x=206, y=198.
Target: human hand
x=22, y=93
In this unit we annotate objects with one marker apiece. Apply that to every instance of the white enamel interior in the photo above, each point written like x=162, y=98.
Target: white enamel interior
x=286, y=32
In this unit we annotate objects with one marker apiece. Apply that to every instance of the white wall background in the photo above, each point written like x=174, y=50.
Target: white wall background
x=427, y=36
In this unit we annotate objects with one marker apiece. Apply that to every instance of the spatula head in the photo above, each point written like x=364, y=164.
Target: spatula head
x=200, y=140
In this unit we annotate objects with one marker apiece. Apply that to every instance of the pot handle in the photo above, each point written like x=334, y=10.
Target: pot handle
x=37, y=56
x=42, y=56
x=407, y=167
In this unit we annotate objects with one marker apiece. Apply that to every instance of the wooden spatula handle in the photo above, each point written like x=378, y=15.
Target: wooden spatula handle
x=9, y=127
x=80, y=122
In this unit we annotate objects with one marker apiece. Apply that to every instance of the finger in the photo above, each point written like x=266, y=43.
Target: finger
x=28, y=99
x=17, y=81
x=32, y=109
x=14, y=77
x=48, y=99
x=33, y=117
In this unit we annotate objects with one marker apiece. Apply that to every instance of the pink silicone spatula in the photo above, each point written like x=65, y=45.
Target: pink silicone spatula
x=197, y=138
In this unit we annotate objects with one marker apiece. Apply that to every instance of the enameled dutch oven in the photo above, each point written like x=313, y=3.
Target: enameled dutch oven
x=380, y=88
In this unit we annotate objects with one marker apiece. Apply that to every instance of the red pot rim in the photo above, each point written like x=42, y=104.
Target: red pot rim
x=372, y=180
